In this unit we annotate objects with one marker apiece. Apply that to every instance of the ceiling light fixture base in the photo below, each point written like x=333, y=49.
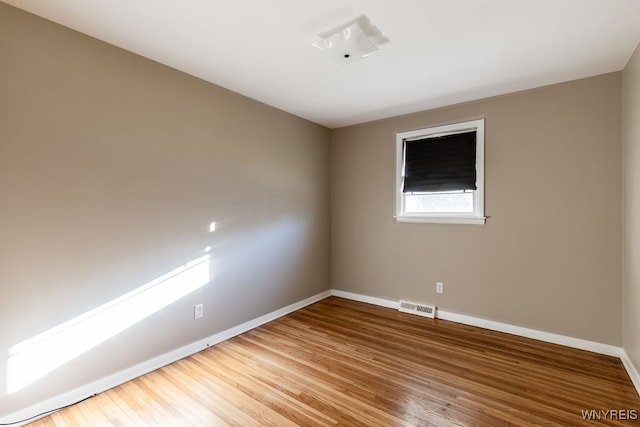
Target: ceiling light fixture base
x=352, y=41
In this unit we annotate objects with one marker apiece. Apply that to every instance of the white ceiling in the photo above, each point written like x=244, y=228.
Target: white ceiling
x=440, y=52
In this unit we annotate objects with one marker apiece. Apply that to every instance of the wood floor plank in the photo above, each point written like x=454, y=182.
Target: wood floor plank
x=345, y=363
x=265, y=388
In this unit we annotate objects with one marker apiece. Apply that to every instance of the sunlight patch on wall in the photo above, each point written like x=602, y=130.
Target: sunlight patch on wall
x=34, y=358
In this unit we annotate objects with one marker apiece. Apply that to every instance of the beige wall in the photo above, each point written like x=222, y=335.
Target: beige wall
x=548, y=257
x=111, y=169
x=631, y=206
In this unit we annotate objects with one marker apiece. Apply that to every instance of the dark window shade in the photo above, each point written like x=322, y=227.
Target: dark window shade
x=443, y=163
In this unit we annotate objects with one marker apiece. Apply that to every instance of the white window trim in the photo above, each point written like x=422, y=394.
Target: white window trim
x=477, y=217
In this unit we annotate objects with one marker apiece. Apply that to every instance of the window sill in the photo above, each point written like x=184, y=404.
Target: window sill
x=442, y=220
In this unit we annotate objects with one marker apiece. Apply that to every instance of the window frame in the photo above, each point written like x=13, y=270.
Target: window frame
x=475, y=217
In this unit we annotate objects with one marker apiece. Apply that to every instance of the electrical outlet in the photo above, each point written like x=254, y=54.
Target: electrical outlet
x=198, y=311
x=439, y=287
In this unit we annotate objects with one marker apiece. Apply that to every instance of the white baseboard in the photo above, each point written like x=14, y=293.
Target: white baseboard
x=631, y=370
x=596, y=347
x=150, y=365
x=364, y=298
x=143, y=368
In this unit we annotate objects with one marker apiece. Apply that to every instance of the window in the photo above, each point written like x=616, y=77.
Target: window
x=440, y=174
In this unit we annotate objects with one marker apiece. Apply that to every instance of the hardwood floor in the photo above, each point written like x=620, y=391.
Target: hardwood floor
x=340, y=362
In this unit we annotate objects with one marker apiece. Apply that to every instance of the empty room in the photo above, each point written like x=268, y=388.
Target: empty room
x=346, y=213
